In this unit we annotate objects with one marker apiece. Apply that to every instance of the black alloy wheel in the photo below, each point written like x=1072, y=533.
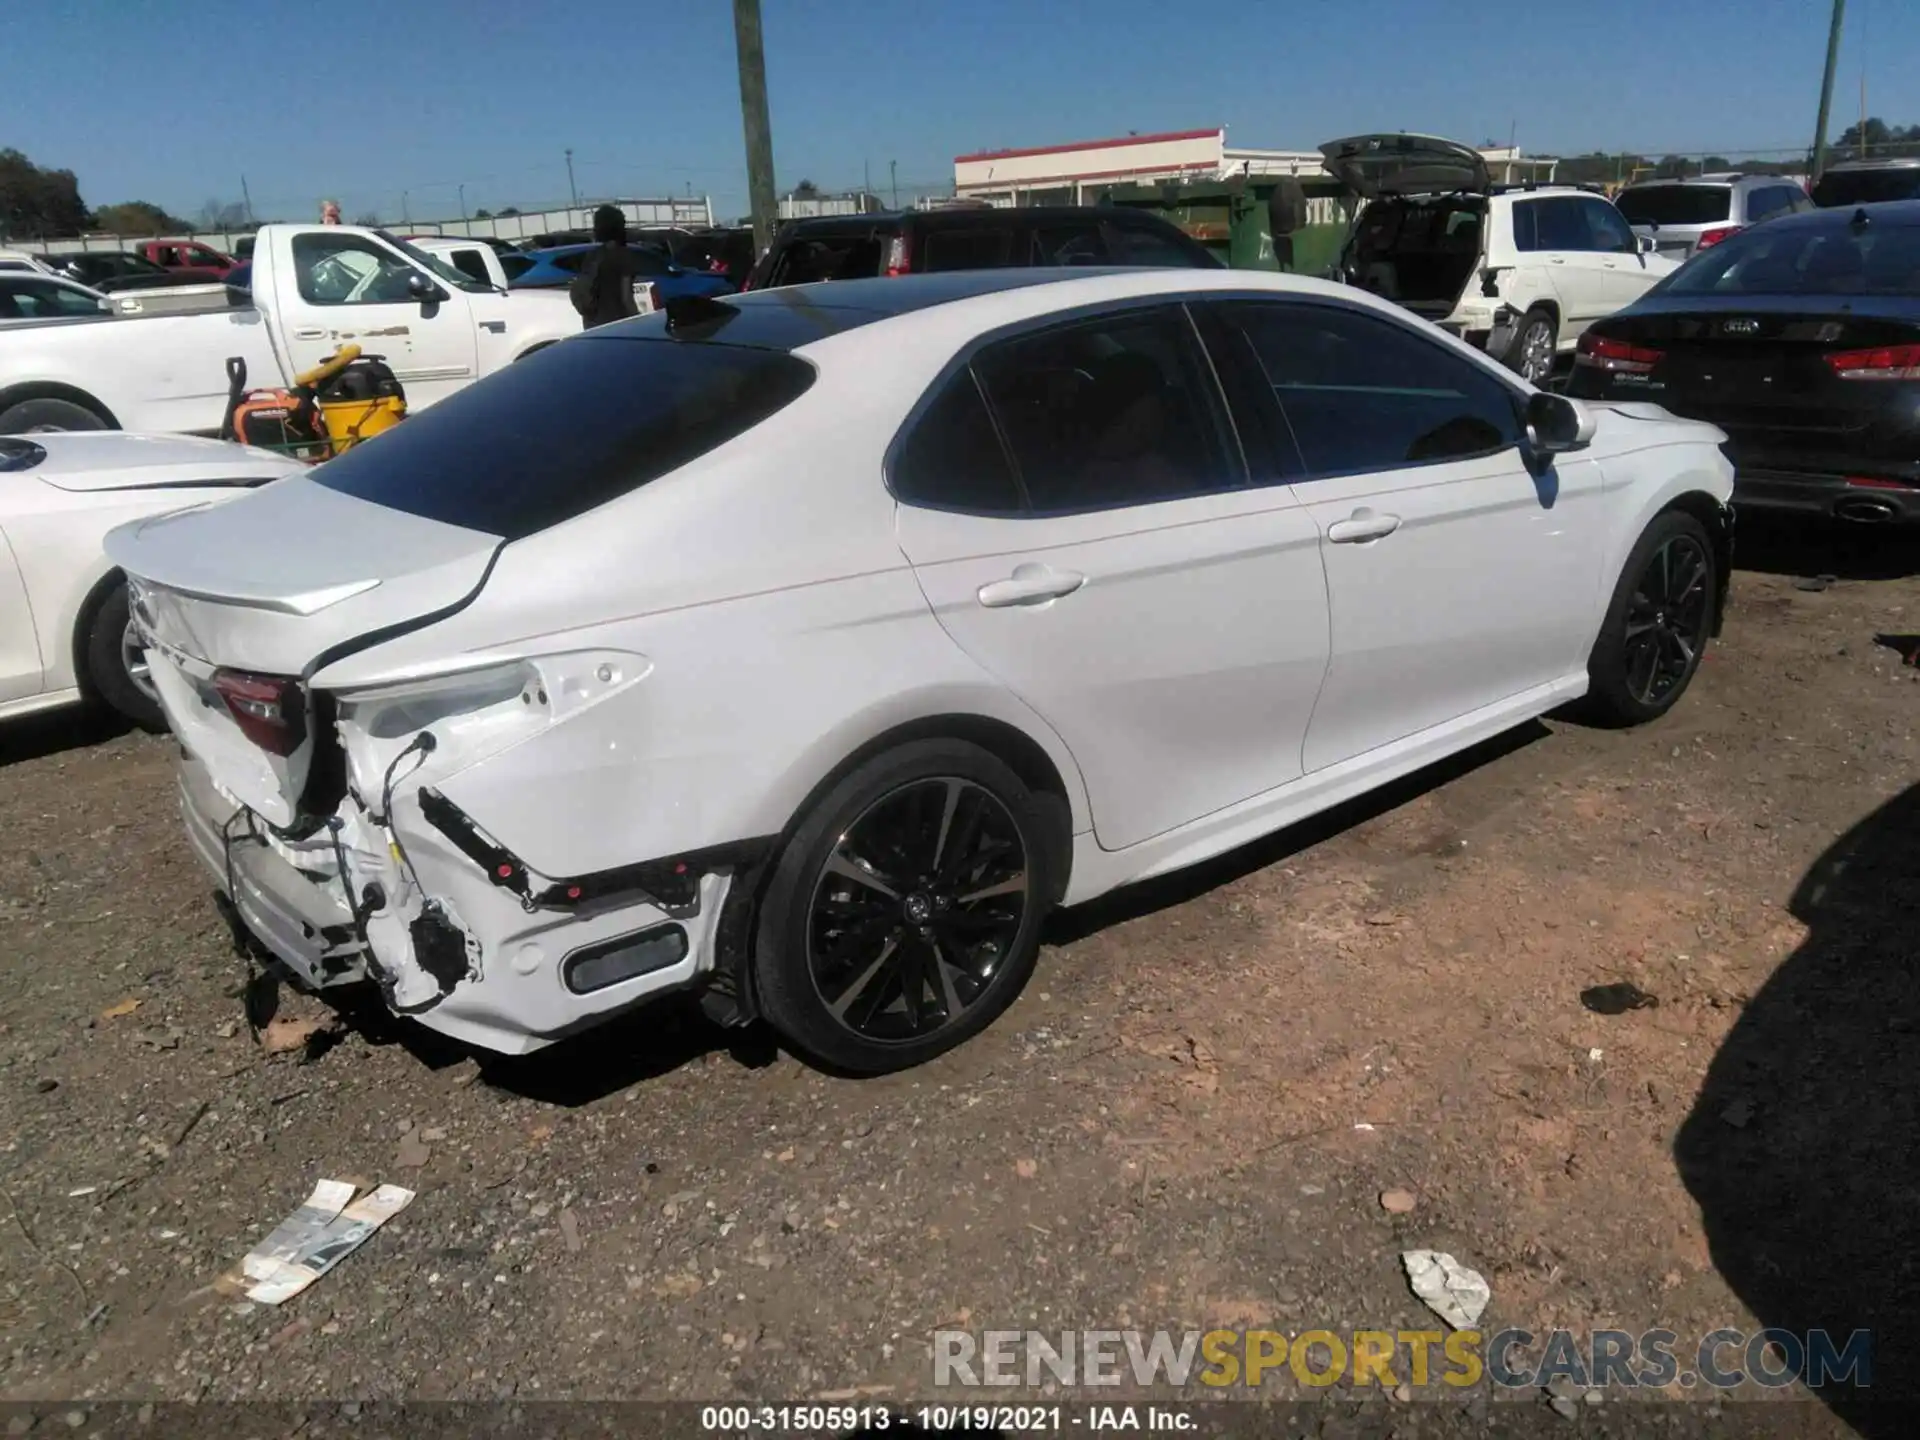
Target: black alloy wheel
x=916, y=907
x=904, y=911
x=1668, y=619
x=1657, y=625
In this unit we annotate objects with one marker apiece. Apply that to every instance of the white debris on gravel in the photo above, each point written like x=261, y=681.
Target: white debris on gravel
x=1449, y=1289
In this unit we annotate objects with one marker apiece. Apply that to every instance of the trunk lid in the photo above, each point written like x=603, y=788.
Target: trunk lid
x=103, y=460
x=242, y=601
x=1758, y=367
x=1384, y=164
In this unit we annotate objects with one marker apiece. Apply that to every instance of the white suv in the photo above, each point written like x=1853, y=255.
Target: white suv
x=1519, y=272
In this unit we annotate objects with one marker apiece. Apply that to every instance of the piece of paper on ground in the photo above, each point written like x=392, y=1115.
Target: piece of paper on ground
x=341, y=1236
x=286, y=1240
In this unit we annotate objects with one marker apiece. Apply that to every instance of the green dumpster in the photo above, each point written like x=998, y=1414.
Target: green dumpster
x=1230, y=218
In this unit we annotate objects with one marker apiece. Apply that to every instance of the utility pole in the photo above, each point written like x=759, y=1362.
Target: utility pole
x=572, y=188
x=247, y=196
x=1826, y=92
x=463, y=204
x=866, y=183
x=753, y=116
x=406, y=215
x=893, y=180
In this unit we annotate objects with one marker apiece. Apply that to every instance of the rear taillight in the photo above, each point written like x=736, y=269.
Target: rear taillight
x=1874, y=482
x=270, y=710
x=653, y=297
x=1885, y=362
x=1615, y=356
x=1714, y=237
x=897, y=257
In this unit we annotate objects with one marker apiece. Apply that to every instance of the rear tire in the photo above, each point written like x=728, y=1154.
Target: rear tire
x=1534, y=346
x=1658, y=623
x=112, y=676
x=34, y=415
x=904, y=914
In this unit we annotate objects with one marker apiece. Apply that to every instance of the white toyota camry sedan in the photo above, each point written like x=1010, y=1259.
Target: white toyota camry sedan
x=807, y=647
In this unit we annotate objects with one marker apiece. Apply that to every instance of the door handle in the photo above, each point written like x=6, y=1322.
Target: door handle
x=1030, y=585
x=1556, y=259
x=1360, y=527
x=498, y=327
x=311, y=333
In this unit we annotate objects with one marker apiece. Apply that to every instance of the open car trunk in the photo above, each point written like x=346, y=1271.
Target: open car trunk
x=1420, y=251
x=237, y=619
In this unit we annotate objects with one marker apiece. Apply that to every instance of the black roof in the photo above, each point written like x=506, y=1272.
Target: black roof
x=790, y=316
x=1839, y=217
x=970, y=216
x=1891, y=162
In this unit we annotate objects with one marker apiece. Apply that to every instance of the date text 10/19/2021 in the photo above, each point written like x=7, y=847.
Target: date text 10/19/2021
x=841, y=1420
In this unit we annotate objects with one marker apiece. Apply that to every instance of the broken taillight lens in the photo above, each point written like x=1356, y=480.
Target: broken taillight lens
x=270, y=710
x=899, y=259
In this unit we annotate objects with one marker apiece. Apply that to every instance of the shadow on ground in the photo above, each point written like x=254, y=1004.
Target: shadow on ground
x=72, y=727
x=1803, y=1148
x=1813, y=547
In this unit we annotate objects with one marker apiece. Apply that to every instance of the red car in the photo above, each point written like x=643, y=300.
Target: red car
x=187, y=256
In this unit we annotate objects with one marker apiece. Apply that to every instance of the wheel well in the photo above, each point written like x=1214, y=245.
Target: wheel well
x=1016, y=750
x=52, y=390
x=1717, y=520
x=83, y=628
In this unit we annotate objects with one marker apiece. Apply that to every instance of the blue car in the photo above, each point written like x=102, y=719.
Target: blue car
x=558, y=266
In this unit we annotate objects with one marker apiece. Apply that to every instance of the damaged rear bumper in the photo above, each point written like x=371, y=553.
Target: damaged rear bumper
x=478, y=955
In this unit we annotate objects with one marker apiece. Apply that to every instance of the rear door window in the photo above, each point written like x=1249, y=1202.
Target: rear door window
x=952, y=458
x=593, y=419
x=1122, y=410
x=974, y=249
x=1563, y=224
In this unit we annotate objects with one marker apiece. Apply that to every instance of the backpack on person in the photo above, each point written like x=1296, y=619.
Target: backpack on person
x=584, y=288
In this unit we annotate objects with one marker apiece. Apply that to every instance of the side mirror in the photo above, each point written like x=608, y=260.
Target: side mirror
x=420, y=288
x=1646, y=244
x=1556, y=424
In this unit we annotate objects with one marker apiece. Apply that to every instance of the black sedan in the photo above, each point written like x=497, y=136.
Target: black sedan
x=1801, y=339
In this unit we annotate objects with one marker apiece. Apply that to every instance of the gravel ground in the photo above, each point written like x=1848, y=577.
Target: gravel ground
x=1169, y=1129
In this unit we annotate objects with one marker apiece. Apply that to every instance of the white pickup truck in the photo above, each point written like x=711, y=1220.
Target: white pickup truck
x=313, y=288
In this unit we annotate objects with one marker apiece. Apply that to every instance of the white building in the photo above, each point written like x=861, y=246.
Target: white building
x=1069, y=174
x=1066, y=174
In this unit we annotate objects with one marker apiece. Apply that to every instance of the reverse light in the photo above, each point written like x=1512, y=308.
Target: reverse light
x=1885, y=362
x=270, y=710
x=1715, y=236
x=1615, y=356
x=898, y=258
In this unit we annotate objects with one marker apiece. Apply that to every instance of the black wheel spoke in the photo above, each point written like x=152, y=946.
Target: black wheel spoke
x=1666, y=621
x=915, y=908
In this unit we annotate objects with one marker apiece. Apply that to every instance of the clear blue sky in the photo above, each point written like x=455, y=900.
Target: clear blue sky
x=173, y=100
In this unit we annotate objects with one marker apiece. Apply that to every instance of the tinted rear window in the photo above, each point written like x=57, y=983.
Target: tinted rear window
x=1867, y=187
x=567, y=430
x=1782, y=258
x=984, y=249
x=1675, y=204
x=829, y=257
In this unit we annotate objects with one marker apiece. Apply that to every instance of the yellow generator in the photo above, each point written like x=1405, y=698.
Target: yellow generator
x=346, y=398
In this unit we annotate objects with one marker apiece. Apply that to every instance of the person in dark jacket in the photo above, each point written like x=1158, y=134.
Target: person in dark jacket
x=603, y=290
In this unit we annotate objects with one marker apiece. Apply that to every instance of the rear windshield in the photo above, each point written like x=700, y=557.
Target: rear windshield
x=1867, y=187
x=1675, y=204
x=827, y=257
x=1776, y=259
x=566, y=430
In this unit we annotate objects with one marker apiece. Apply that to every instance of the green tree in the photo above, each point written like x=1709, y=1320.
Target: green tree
x=36, y=201
x=483, y=214
x=135, y=217
x=507, y=210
